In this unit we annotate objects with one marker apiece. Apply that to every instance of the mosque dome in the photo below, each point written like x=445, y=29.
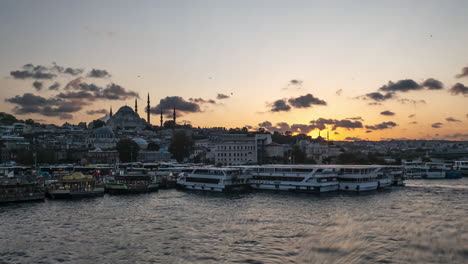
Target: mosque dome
x=103, y=132
x=125, y=118
x=125, y=110
x=143, y=144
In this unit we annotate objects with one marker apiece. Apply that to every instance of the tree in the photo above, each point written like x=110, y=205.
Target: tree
x=128, y=150
x=7, y=119
x=153, y=146
x=169, y=124
x=297, y=155
x=181, y=146
x=98, y=123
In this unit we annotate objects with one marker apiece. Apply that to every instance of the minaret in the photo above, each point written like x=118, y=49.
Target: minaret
x=319, y=134
x=161, y=118
x=110, y=112
x=148, y=110
x=136, y=106
x=174, y=117
x=328, y=135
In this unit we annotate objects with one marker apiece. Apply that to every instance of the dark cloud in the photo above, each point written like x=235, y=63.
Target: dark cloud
x=345, y=123
x=339, y=92
x=265, y=124
x=401, y=86
x=459, y=88
x=374, y=103
x=413, y=123
x=464, y=73
x=306, y=101
x=38, y=85
x=379, y=97
x=32, y=74
x=96, y=73
x=369, y=131
x=383, y=125
x=283, y=126
x=54, y=87
x=412, y=115
x=95, y=112
x=279, y=127
x=358, y=118
x=116, y=92
x=93, y=92
x=202, y=101
x=80, y=95
x=280, y=105
x=390, y=90
x=34, y=104
x=66, y=70
x=336, y=133
x=387, y=113
x=437, y=125
x=40, y=72
x=451, y=119
x=353, y=138
x=295, y=82
x=302, y=128
x=432, y=84
x=182, y=106
x=411, y=101
x=222, y=96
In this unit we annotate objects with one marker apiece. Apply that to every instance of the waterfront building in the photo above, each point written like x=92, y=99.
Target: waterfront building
x=102, y=138
x=99, y=156
x=240, y=149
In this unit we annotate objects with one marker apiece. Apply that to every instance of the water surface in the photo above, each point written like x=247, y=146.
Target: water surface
x=424, y=222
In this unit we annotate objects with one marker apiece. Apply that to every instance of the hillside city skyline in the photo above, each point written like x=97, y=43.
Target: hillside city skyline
x=272, y=69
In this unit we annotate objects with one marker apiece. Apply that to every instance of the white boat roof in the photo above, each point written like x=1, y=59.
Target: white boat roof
x=314, y=166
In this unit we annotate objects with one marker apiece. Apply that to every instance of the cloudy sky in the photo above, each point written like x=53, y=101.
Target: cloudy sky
x=360, y=69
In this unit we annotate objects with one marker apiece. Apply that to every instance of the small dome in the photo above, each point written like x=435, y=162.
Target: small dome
x=141, y=142
x=103, y=132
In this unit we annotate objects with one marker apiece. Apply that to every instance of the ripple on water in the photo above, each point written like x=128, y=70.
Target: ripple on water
x=423, y=223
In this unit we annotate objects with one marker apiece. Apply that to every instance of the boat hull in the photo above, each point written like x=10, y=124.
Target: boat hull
x=17, y=194
x=214, y=188
x=295, y=188
x=117, y=191
x=58, y=194
x=358, y=187
x=453, y=175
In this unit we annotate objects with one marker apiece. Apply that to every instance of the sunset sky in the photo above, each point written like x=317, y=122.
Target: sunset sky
x=360, y=69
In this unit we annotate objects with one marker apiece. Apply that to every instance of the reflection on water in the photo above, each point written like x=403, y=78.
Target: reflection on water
x=425, y=222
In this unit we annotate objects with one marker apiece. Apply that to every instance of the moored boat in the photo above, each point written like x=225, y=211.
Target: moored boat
x=131, y=180
x=214, y=179
x=461, y=166
x=19, y=184
x=297, y=178
x=358, y=178
x=73, y=186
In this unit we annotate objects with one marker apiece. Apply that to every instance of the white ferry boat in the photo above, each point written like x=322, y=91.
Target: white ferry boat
x=214, y=179
x=396, y=175
x=299, y=178
x=415, y=169
x=384, y=177
x=462, y=166
x=358, y=178
x=437, y=170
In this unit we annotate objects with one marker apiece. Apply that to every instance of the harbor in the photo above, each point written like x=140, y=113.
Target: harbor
x=22, y=184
